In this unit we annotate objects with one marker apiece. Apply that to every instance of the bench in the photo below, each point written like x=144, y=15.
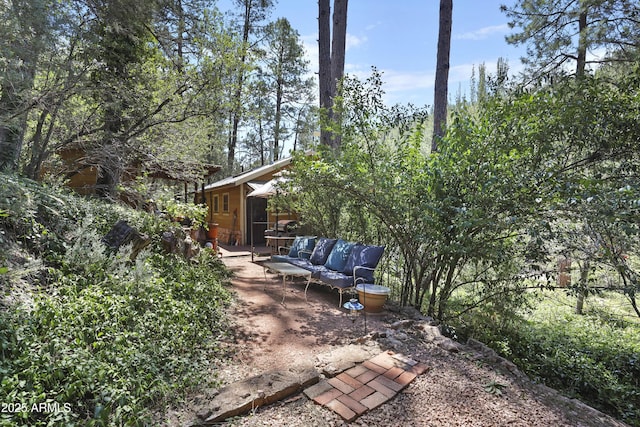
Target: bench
x=336, y=263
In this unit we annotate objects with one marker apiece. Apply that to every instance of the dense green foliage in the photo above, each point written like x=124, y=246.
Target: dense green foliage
x=594, y=357
x=99, y=338
x=146, y=86
x=527, y=177
x=483, y=212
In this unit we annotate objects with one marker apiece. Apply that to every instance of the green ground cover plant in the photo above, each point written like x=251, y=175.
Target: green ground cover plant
x=594, y=357
x=89, y=337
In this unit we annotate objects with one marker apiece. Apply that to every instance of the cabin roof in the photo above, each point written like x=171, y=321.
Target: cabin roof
x=251, y=176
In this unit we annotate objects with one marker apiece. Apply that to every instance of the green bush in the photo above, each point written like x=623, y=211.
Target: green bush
x=103, y=340
x=593, y=359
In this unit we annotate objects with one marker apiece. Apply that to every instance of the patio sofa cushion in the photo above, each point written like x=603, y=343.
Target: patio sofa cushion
x=302, y=247
x=366, y=256
x=338, y=256
x=335, y=279
x=322, y=250
x=307, y=265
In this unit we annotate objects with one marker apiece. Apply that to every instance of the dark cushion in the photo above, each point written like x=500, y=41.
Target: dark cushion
x=307, y=248
x=365, y=256
x=304, y=263
x=322, y=250
x=299, y=262
x=338, y=256
x=301, y=243
x=336, y=279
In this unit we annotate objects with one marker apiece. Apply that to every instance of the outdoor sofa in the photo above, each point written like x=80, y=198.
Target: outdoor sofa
x=336, y=263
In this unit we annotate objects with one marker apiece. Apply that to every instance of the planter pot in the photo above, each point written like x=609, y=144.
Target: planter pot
x=372, y=296
x=213, y=231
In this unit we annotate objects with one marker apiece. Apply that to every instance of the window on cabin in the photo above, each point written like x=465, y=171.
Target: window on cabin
x=225, y=202
x=216, y=203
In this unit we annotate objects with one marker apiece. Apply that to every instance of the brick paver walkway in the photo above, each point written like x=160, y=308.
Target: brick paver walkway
x=367, y=385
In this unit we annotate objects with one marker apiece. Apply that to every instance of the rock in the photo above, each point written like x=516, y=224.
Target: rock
x=169, y=242
x=447, y=344
x=261, y=390
x=344, y=358
x=401, y=324
x=412, y=313
x=431, y=333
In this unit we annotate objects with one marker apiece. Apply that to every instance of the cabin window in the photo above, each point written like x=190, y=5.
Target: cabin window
x=225, y=202
x=215, y=202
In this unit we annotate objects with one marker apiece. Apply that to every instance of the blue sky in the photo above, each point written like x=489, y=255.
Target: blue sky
x=399, y=37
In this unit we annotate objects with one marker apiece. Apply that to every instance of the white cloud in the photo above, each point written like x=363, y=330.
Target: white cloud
x=310, y=43
x=482, y=33
x=396, y=81
x=354, y=41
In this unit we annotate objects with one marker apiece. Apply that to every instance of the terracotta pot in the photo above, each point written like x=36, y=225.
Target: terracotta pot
x=213, y=231
x=372, y=296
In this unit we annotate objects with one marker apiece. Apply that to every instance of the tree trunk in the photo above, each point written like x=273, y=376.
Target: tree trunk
x=338, y=48
x=442, y=73
x=237, y=109
x=582, y=43
x=324, y=66
x=13, y=116
x=584, y=282
x=277, y=120
x=39, y=144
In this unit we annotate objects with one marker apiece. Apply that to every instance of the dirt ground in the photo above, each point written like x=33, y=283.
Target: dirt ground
x=455, y=391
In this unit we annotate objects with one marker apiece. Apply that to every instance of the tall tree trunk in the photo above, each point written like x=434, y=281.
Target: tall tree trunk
x=12, y=127
x=338, y=47
x=331, y=51
x=582, y=42
x=324, y=66
x=442, y=73
x=584, y=282
x=277, y=120
x=237, y=104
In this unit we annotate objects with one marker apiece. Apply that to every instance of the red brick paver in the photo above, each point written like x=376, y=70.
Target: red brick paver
x=362, y=392
x=341, y=385
x=353, y=404
x=327, y=396
x=342, y=410
x=367, y=376
x=368, y=385
x=348, y=379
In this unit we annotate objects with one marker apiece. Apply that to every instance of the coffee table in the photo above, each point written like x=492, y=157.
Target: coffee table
x=285, y=269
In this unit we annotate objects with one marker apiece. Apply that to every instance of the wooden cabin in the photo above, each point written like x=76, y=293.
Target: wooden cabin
x=236, y=215
x=81, y=172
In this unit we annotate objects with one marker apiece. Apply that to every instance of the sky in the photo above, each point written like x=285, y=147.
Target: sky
x=399, y=38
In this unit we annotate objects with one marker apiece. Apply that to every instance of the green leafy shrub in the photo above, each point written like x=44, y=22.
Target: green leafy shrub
x=585, y=357
x=104, y=340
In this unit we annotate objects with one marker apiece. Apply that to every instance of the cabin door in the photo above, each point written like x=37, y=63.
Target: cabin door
x=256, y=220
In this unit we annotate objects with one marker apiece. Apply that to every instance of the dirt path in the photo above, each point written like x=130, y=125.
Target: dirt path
x=454, y=391
x=270, y=334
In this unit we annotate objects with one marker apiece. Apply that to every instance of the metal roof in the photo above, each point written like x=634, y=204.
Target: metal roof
x=252, y=175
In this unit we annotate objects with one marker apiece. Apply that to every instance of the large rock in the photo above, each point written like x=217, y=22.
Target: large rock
x=261, y=390
x=343, y=358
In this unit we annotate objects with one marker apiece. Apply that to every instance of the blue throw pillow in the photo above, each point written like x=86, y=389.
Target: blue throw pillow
x=322, y=250
x=338, y=256
x=307, y=248
x=365, y=256
x=352, y=259
x=296, y=246
x=302, y=247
